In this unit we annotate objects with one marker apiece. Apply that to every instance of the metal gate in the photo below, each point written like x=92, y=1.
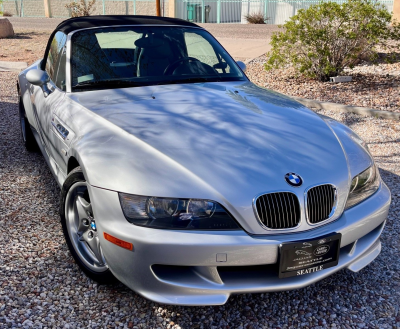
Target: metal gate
x=233, y=11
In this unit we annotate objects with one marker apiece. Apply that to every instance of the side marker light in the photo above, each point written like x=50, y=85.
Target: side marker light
x=118, y=242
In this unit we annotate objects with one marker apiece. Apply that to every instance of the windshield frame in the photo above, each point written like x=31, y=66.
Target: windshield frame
x=68, y=67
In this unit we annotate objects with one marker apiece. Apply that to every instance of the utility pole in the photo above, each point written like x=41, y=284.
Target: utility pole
x=396, y=10
x=158, y=8
x=47, y=8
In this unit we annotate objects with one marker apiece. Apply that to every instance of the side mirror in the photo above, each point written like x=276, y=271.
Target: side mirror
x=242, y=65
x=37, y=77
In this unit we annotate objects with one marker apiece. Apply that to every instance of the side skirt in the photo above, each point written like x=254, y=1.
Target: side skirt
x=54, y=168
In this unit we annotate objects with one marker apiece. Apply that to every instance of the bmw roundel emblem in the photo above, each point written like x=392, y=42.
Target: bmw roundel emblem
x=293, y=179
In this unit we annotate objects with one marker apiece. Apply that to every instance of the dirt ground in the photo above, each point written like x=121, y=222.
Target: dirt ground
x=24, y=46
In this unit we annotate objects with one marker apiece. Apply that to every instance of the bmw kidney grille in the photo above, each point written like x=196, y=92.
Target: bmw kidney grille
x=321, y=201
x=278, y=210
x=281, y=210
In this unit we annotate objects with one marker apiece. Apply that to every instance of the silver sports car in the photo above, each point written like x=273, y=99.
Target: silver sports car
x=184, y=180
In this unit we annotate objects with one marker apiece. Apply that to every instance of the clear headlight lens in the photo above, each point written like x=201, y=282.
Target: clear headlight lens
x=166, y=213
x=363, y=186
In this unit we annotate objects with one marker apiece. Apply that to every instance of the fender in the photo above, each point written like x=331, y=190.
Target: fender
x=23, y=85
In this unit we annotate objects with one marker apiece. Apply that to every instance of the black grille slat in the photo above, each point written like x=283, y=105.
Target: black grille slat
x=264, y=208
x=320, y=202
x=292, y=214
x=283, y=198
x=319, y=208
x=326, y=200
x=278, y=210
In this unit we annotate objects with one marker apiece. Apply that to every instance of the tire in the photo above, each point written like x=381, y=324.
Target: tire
x=26, y=132
x=79, y=228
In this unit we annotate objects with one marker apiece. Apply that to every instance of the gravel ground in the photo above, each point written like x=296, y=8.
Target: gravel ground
x=374, y=86
x=41, y=286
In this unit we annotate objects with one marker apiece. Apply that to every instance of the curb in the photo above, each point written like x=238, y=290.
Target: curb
x=348, y=108
x=12, y=66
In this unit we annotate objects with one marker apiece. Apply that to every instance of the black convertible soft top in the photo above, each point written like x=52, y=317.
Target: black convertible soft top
x=77, y=23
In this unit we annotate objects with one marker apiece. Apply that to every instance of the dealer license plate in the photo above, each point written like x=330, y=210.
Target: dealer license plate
x=299, y=258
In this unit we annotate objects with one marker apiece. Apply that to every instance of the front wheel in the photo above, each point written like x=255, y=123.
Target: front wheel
x=79, y=228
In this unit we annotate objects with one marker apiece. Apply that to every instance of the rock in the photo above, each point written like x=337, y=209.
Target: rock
x=6, y=29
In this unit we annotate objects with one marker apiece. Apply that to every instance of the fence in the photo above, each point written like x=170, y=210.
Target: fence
x=233, y=11
x=201, y=11
x=35, y=8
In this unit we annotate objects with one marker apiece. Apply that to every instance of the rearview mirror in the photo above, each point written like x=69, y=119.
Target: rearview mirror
x=37, y=77
x=242, y=65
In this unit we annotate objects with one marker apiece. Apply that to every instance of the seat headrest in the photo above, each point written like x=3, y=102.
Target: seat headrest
x=149, y=42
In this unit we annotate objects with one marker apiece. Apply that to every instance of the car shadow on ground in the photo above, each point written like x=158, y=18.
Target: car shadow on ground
x=38, y=273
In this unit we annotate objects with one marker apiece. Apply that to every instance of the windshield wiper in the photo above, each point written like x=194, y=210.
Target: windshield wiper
x=128, y=83
x=106, y=83
x=189, y=80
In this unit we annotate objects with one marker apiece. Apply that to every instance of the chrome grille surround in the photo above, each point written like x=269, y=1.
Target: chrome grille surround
x=325, y=194
x=278, y=210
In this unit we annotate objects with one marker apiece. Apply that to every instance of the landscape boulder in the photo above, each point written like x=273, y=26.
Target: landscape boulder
x=6, y=29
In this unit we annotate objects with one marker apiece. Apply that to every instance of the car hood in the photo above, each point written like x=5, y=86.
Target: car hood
x=236, y=138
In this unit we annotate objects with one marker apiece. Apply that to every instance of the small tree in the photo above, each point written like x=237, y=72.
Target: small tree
x=80, y=8
x=321, y=41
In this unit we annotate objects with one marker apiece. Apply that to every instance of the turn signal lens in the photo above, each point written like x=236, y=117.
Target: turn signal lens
x=118, y=242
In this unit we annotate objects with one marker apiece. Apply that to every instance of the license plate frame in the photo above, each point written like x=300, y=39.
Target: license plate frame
x=308, y=256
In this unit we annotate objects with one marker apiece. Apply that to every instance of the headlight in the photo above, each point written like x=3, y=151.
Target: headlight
x=363, y=186
x=165, y=213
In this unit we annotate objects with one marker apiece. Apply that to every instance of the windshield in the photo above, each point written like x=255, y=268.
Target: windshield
x=140, y=56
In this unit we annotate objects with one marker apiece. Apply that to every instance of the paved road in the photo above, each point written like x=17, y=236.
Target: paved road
x=242, y=41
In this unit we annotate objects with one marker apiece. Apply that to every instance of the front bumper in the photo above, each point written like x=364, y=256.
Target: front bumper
x=189, y=268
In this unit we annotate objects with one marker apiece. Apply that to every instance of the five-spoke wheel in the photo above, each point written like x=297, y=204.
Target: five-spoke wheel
x=80, y=229
x=81, y=226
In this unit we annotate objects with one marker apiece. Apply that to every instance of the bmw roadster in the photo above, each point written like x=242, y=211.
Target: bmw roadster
x=184, y=180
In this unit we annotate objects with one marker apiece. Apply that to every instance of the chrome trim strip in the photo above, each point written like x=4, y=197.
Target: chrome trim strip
x=68, y=79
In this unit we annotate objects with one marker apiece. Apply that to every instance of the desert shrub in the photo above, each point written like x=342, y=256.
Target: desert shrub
x=80, y=8
x=255, y=18
x=319, y=42
x=7, y=14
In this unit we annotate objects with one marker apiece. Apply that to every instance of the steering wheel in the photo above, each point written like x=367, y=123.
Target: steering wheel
x=172, y=67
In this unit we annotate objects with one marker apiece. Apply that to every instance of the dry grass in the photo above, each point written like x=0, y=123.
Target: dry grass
x=256, y=18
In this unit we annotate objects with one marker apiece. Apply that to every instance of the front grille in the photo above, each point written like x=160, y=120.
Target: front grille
x=278, y=210
x=320, y=202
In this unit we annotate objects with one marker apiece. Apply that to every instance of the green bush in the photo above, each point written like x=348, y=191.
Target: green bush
x=321, y=41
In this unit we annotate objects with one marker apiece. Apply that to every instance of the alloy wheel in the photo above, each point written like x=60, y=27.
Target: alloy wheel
x=82, y=229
